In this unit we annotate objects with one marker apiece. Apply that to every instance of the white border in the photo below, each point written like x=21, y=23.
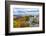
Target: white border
x=27, y=28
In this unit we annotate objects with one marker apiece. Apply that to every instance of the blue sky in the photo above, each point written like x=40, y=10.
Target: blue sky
x=25, y=11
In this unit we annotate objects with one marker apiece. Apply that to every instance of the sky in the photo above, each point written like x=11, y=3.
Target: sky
x=25, y=11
